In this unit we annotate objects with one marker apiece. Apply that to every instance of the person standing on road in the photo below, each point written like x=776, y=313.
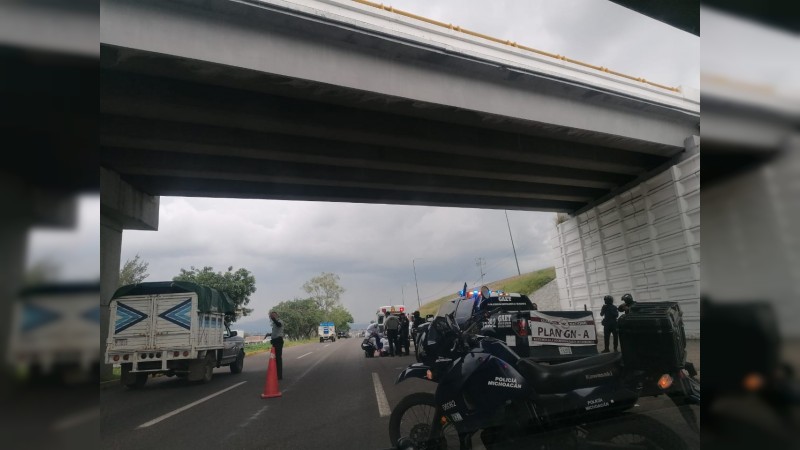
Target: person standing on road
x=277, y=341
x=627, y=303
x=609, y=313
x=392, y=325
x=417, y=319
x=404, y=324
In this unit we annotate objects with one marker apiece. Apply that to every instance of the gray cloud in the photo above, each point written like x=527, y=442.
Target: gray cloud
x=370, y=246
x=597, y=32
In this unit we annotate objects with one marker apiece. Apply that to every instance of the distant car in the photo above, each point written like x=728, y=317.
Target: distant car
x=342, y=335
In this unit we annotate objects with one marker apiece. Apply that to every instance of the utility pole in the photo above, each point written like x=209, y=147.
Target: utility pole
x=413, y=263
x=479, y=262
x=403, y=290
x=512, y=242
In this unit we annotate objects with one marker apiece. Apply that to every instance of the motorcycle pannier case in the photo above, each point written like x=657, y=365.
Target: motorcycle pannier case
x=653, y=338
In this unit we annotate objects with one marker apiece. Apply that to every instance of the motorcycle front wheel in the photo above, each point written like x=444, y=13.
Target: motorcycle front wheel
x=417, y=419
x=636, y=431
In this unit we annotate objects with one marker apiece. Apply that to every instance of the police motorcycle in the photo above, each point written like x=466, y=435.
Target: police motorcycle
x=484, y=386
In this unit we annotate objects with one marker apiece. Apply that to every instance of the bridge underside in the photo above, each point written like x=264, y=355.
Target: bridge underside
x=238, y=99
x=279, y=138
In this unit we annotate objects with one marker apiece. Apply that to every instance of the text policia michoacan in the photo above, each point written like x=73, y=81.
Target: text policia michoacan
x=509, y=382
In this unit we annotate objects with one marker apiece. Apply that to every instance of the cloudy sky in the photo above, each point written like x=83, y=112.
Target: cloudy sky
x=371, y=247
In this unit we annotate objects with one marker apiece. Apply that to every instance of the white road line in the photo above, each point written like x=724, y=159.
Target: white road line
x=380, y=395
x=301, y=356
x=326, y=345
x=190, y=405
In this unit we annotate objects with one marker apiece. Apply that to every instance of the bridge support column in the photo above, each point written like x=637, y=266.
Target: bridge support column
x=122, y=207
x=25, y=206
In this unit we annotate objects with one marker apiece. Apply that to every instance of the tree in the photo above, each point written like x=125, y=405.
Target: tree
x=239, y=284
x=325, y=290
x=134, y=271
x=341, y=318
x=301, y=317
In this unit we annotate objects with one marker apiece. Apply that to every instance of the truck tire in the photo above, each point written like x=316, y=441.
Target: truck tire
x=208, y=373
x=321, y=340
x=238, y=365
x=333, y=339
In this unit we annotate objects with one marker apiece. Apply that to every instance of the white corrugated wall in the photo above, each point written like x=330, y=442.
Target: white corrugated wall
x=645, y=241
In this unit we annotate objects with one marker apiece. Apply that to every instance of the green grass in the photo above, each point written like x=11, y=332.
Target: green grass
x=526, y=283
x=265, y=347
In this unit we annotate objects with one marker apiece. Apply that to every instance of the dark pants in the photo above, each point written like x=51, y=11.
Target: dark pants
x=607, y=331
x=277, y=344
x=403, y=341
x=391, y=335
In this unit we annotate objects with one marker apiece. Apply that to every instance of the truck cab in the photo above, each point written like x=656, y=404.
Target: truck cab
x=327, y=332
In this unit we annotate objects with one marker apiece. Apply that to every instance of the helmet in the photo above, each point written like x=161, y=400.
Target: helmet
x=608, y=299
x=627, y=298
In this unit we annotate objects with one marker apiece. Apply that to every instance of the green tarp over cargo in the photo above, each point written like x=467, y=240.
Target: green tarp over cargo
x=208, y=299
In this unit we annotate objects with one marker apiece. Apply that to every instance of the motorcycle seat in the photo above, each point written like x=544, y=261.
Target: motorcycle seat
x=565, y=377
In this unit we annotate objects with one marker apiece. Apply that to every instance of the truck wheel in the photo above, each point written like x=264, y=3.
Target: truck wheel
x=333, y=339
x=209, y=368
x=238, y=365
x=321, y=340
x=141, y=380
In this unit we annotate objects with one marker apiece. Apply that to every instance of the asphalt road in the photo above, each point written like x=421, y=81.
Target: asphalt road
x=330, y=401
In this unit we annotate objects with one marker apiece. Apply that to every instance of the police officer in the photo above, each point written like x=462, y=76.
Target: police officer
x=609, y=313
x=392, y=325
x=277, y=341
x=627, y=303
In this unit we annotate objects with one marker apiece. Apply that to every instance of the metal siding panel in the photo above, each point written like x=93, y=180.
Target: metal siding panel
x=664, y=211
x=688, y=166
x=663, y=194
x=672, y=242
x=619, y=270
x=681, y=274
x=693, y=218
x=680, y=257
x=694, y=235
x=689, y=184
x=620, y=284
x=659, y=180
x=643, y=265
x=669, y=226
x=640, y=251
x=609, y=218
x=691, y=201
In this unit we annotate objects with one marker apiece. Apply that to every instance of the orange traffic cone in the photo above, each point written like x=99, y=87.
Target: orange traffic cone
x=271, y=382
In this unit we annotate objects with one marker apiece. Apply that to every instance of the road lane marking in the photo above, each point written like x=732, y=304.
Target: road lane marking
x=301, y=356
x=380, y=395
x=243, y=425
x=326, y=345
x=190, y=405
x=302, y=375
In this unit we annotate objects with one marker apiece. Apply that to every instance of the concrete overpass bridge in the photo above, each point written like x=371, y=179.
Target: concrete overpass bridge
x=355, y=102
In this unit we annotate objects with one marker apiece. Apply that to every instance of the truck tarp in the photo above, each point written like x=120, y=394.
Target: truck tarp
x=208, y=299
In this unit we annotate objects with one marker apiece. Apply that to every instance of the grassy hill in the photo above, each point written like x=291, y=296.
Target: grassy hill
x=526, y=284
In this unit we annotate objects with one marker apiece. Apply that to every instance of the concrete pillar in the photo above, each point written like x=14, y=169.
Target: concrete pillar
x=110, y=254
x=122, y=207
x=25, y=206
x=13, y=248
